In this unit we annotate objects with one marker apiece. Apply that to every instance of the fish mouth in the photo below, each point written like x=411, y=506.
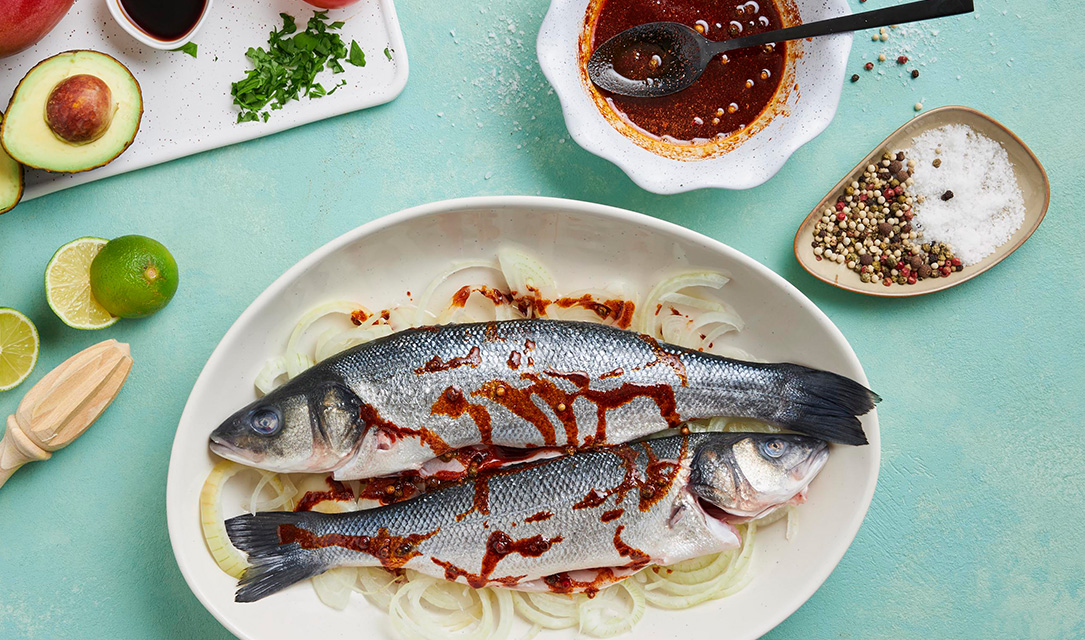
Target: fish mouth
x=719, y=522
x=228, y=450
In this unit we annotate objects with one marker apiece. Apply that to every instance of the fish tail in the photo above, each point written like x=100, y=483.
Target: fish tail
x=274, y=565
x=826, y=405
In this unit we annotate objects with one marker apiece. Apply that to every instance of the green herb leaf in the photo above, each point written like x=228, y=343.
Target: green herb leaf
x=287, y=69
x=387, y=53
x=357, y=58
x=189, y=48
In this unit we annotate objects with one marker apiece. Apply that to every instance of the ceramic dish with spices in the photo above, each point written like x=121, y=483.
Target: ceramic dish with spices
x=944, y=198
x=735, y=127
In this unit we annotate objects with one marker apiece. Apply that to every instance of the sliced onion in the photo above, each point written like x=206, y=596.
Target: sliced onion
x=378, y=585
x=613, y=610
x=342, y=307
x=266, y=380
x=334, y=586
x=525, y=275
x=226, y=555
x=647, y=317
x=547, y=610
x=422, y=610
x=332, y=342
x=424, y=301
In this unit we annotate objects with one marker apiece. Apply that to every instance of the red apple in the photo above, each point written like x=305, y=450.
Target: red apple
x=331, y=4
x=24, y=22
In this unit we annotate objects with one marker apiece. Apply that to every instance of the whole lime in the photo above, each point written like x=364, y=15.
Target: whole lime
x=133, y=276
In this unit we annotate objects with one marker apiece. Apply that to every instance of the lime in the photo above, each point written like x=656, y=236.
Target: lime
x=18, y=348
x=133, y=276
x=67, y=285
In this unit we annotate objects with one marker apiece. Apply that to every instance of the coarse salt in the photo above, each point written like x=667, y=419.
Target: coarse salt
x=987, y=206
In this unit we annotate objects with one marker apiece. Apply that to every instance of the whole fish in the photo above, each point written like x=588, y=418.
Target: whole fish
x=568, y=524
x=392, y=405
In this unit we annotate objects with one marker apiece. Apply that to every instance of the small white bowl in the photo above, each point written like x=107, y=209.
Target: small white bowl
x=129, y=25
x=803, y=107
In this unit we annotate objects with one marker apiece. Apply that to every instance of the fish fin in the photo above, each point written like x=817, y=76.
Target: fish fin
x=273, y=565
x=826, y=406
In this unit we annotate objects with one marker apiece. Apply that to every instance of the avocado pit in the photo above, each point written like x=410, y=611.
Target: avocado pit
x=79, y=109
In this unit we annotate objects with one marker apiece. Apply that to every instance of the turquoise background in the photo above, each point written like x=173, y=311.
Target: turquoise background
x=976, y=529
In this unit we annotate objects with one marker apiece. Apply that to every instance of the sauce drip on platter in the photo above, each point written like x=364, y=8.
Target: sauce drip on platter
x=734, y=89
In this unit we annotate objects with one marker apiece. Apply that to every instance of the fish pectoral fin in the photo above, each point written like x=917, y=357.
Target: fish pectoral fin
x=677, y=514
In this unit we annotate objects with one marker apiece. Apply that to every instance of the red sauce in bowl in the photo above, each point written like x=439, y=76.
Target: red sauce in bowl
x=735, y=88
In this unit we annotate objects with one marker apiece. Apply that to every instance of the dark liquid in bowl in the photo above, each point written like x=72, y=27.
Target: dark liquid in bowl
x=164, y=19
x=730, y=95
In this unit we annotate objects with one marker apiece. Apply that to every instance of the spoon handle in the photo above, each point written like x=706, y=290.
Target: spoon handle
x=900, y=14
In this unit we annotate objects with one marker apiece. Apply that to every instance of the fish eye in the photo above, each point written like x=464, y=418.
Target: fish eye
x=773, y=448
x=265, y=421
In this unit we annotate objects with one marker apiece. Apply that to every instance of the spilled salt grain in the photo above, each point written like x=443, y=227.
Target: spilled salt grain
x=986, y=206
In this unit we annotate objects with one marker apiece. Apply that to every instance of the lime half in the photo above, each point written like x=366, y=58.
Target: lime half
x=67, y=285
x=18, y=348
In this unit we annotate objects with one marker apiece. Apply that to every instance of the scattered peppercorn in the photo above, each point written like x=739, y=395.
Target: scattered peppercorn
x=947, y=196
x=902, y=60
x=915, y=73
x=937, y=162
x=868, y=66
x=855, y=77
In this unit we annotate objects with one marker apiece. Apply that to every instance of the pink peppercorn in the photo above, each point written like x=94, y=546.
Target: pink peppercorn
x=841, y=216
x=839, y=206
x=902, y=60
x=911, y=280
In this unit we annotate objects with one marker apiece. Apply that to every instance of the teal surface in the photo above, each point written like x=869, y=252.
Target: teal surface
x=976, y=528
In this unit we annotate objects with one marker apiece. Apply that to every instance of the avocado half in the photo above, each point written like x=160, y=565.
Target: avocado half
x=11, y=181
x=27, y=137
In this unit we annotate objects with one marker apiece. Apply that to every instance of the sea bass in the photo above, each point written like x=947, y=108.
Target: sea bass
x=396, y=403
x=569, y=524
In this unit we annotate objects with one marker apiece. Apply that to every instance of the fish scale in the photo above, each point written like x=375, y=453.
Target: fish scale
x=620, y=508
x=424, y=392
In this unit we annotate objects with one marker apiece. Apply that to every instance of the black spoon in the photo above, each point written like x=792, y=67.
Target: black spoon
x=661, y=58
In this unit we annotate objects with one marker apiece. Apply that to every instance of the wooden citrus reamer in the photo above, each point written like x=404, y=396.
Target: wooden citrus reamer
x=63, y=404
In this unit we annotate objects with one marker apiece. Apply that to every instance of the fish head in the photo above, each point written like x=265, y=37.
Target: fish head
x=749, y=475
x=306, y=426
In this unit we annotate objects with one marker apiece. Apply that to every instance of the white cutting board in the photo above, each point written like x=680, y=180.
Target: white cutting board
x=187, y=107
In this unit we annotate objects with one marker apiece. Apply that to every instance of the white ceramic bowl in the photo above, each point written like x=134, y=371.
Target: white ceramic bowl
x=585, y=244
x=804, y=107
x=126, y=23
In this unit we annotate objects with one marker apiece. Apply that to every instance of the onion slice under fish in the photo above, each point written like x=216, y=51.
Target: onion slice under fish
x=226, y=556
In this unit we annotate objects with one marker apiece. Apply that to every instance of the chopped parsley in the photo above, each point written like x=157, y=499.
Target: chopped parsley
x=357, y=58
x=287, y=69
x=189, y=48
